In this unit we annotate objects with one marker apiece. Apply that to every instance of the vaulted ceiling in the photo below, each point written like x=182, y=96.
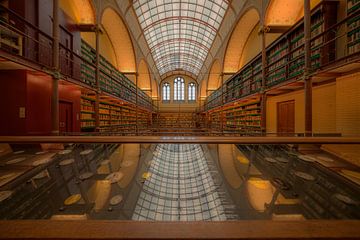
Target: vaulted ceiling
x=180, y=33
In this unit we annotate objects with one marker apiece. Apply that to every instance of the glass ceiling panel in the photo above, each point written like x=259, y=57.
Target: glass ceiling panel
x=180, y=32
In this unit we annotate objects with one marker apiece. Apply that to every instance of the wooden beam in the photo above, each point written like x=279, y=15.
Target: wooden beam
x=247, y=229
x=278, y=28
x=180, y=139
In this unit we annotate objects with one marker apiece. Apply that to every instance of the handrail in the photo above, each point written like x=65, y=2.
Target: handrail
x=247, y=229
x=180, y=139
x=74, y=61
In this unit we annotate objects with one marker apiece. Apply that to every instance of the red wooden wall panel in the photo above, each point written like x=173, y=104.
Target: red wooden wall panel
x=38, y=102
x=12, y=97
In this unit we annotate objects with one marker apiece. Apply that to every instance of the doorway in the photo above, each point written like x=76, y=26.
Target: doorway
x=65, y=116
x=286, y=118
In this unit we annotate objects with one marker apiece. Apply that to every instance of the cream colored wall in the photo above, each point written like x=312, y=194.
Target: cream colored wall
x=271, y=111
x=324, y=109
x=173, y=106
x=254, y=44
x=336, y=108
x=348, y=104
x=252, y=47
x=106, y=48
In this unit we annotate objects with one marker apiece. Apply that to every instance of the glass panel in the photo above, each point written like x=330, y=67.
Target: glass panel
x=175, y=30
x=179, y=89
x=179, y=182
x=192, y=95
x=166, y=92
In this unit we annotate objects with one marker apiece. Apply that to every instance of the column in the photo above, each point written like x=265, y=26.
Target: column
x=137, y=101
x=97, y=78
x=222, y=103
x=263, y=82
x=56, y=71
x=97, y=68
x=308, y=80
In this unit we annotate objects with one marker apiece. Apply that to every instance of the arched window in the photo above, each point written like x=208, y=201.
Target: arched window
x=179, y=89
x=191, y=92
x=166, y=92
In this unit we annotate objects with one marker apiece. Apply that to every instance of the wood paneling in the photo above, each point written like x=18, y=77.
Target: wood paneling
x=286, y=117
x=258, y=229
x=348, y=104
x=324, y=109
x=12, y=97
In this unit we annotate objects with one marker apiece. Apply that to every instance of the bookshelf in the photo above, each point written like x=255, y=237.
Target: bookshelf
x=87, y=113
x=285, y=57
x=111, y=80
x=87, y=70
x=353, y=27
x=242, y=117
x=173, y=121
x=114, y=115
x=10, y=40
x=236, y=117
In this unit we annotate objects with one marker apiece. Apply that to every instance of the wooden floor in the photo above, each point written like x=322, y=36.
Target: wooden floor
x=179, y=230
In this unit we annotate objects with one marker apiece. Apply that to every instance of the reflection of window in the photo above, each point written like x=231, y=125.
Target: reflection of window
x=166, y=92
x=192, y=89
x=179, y=89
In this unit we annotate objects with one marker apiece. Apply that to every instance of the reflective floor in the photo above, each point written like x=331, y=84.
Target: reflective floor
x=179, y=182
x=179, y=187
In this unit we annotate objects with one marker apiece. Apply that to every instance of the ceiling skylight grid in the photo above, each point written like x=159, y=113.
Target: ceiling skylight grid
x=180, y=32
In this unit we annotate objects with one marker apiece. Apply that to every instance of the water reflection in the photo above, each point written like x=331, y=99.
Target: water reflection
x=177, y=182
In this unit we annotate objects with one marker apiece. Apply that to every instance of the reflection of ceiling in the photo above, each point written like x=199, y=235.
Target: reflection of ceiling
x=180, y=32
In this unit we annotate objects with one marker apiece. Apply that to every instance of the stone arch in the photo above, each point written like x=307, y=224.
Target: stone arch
x=238, y=40
x=214, y=80
x=119, y=35
x=144, y=79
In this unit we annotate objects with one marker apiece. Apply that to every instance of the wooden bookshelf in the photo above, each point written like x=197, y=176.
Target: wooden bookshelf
x=87, y=113
x=285, y=58
x=172, y=121
x=111, y=80
x=353, y=27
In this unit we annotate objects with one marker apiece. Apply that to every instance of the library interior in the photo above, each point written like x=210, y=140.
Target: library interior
x=179, y=119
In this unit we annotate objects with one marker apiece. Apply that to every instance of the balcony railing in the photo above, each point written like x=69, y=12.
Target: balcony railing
x=20, y=38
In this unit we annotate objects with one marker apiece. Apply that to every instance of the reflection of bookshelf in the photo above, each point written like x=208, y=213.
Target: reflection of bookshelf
x=353, y=27
x=87, y=113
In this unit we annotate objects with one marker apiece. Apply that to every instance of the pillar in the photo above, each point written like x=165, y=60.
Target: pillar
x=263, y=81
x=56, y=71
x=308, y=80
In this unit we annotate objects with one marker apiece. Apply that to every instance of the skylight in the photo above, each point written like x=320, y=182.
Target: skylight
x=180, y=32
